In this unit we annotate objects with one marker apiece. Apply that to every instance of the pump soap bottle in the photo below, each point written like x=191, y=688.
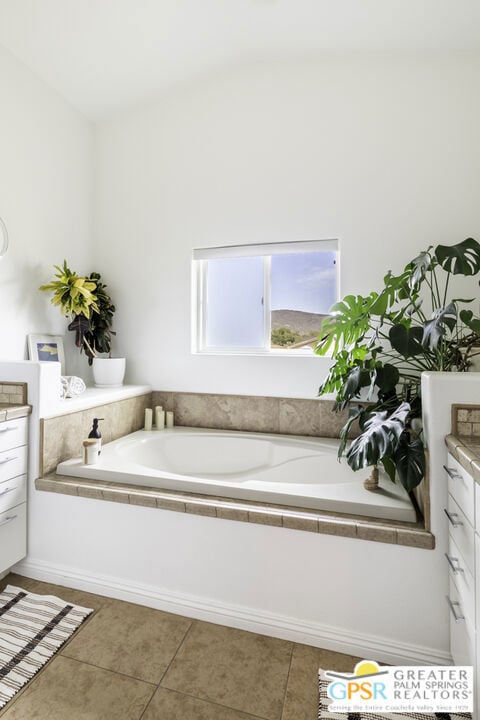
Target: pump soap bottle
x=96, y=434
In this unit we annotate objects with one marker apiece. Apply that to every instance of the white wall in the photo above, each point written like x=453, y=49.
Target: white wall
x=45, y=201
x=381, y=153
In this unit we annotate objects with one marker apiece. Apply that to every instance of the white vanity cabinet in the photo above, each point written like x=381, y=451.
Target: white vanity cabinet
x=13, y=490
x=461, y=562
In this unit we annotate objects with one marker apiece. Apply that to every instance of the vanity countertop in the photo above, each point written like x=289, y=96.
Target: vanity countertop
x=11, y=412
x=466, y=450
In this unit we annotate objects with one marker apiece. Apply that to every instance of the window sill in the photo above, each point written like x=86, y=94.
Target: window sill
x=258, y=353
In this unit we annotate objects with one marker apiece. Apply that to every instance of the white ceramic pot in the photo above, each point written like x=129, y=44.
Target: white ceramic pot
x=108, y=372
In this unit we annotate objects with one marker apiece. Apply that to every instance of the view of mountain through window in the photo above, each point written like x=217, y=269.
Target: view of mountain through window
x=303, y=288
x=263, y=298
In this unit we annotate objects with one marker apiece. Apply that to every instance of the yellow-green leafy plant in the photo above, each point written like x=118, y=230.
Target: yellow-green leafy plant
x=74, y=295
x=88, y=305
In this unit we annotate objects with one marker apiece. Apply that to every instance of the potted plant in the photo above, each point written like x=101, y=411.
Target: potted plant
x=381, y=343
x=87, y=303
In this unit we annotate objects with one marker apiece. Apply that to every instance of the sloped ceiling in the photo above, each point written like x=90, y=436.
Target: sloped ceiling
x=105, y=55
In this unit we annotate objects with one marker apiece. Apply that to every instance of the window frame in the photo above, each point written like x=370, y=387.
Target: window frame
x=200, y=258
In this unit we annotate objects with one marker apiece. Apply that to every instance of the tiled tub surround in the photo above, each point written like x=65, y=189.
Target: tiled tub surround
x=61, y=439
x=61, y=436
x=287, y=416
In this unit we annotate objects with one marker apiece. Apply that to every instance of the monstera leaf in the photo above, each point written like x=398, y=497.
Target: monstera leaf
x=435, y=329
x=409, y=458
x=387, y=378
x=460, y=259
x=471, y=322
x=418, y=268
x=346, y=325
x=380, y=437
x=407, y=341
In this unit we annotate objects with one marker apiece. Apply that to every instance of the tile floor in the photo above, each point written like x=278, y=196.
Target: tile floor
x=128, y=662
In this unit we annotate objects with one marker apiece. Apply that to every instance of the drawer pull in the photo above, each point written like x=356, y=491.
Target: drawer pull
x=452, y=473
x=7, y=490
x=8, y=428
x=456, y=568
x=452, y=518
x=8, y=519
x=452, y=604
x=8, y=459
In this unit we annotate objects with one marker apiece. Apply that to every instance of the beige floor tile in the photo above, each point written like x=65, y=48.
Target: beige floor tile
x=301, y=702
x=240, y=670
x=17, y=581
x=130, y=639
x=68, y=690
x=171, y=705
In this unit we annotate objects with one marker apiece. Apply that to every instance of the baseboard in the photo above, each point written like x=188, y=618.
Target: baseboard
x=287, y=628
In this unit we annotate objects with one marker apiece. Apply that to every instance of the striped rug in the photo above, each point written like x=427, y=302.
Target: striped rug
x=324, y=702
x=32, y=629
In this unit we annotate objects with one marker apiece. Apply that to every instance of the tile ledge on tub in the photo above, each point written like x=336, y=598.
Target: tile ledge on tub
x=94, y=397
x=359, y=527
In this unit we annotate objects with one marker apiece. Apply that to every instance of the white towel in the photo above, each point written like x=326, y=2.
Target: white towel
x=72, y=385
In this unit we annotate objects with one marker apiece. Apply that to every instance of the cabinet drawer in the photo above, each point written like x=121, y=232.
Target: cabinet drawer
x=13, y=433
x=461, y=532
x=13, y=463
x=463, y=580
x=461, y=487
x=477, y=506
x=13, y=492
x=13, y=536
x=462, y=633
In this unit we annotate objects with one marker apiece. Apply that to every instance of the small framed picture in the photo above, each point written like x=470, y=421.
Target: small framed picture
x=47, y=348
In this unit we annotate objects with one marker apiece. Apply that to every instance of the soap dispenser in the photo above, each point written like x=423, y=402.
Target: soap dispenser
x=96, y=434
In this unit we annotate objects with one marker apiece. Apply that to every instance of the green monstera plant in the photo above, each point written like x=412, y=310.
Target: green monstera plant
x=89, y=306
x=382, y=343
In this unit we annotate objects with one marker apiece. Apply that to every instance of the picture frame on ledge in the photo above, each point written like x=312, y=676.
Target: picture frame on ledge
x=47, y=348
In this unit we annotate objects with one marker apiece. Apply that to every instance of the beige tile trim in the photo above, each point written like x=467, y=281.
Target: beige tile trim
x=466, y=420
x=13, y=393
x=281, y=517
x=14, y=411
x=466, y=451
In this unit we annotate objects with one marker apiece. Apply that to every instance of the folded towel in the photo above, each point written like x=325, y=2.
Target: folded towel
x=72, y=385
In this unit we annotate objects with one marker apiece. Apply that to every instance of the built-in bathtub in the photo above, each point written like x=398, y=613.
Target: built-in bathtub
x=278, y=469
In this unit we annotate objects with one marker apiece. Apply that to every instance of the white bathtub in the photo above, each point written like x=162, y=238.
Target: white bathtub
x=280, y=469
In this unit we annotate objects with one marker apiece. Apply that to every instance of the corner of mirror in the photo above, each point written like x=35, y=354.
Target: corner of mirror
x=3, y=238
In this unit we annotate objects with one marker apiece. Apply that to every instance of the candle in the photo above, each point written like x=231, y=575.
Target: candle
x=159, y=418
x=148, y=418
x=90, y=452
x=169, y=419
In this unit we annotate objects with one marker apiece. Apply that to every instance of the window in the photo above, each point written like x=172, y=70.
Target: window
x=263, y=298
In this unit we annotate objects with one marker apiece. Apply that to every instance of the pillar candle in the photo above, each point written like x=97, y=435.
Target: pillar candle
x=148, y=418
x=159, y=418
